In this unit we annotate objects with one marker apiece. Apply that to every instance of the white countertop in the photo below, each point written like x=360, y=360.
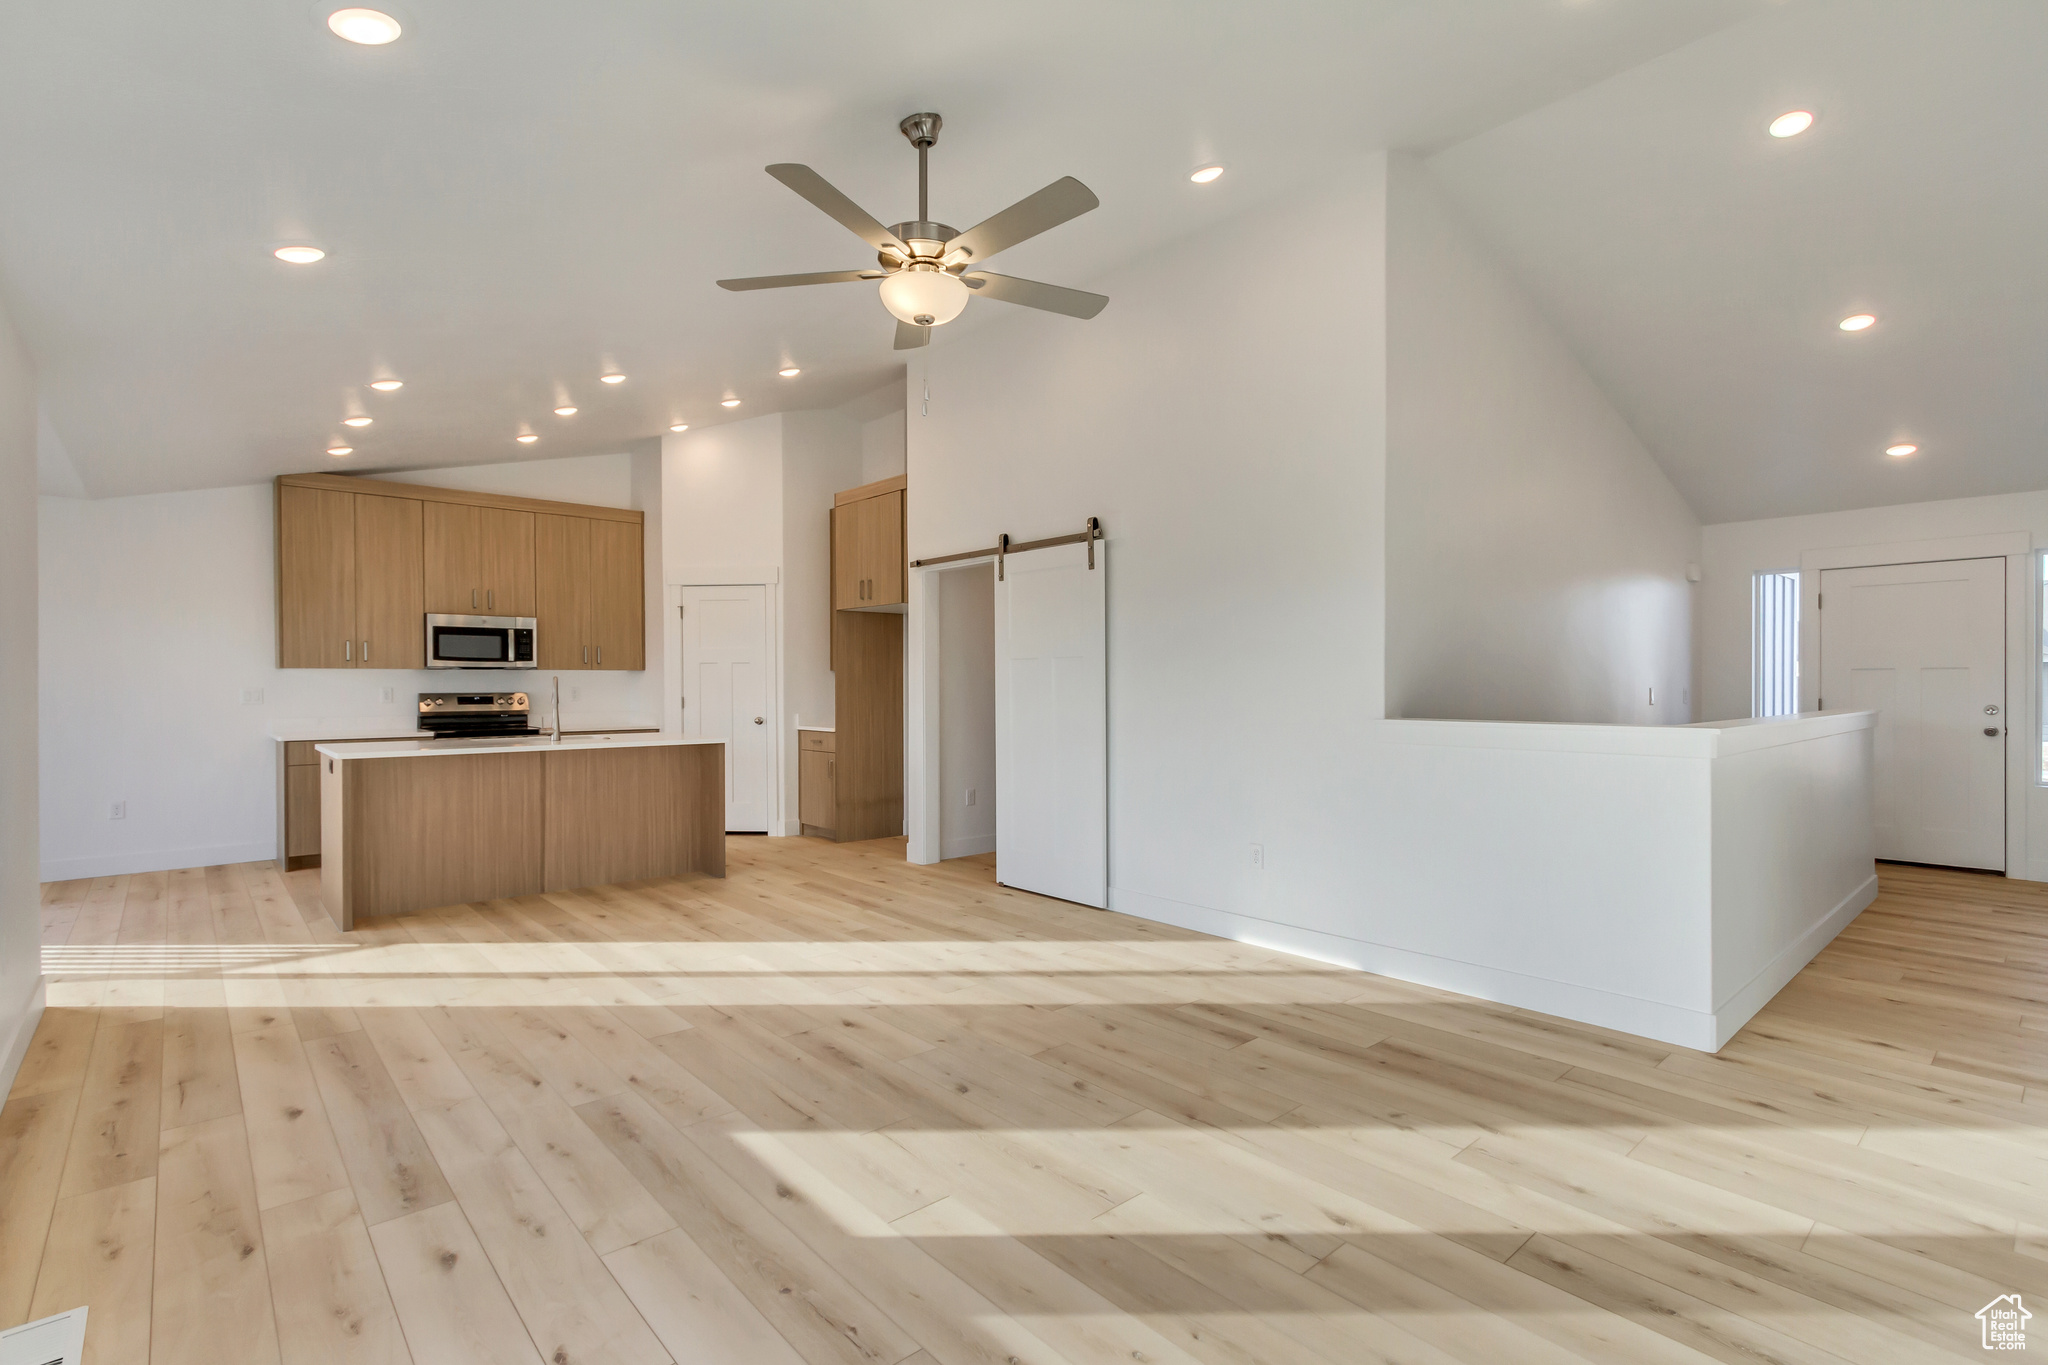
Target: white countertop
x=371, y=729
x=429, y=748
x=819, y=729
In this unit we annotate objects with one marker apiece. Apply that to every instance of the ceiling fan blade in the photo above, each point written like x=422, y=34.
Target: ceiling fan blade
x=1055, y=204
x=785, y=281
x=910, y=336
x=844, y=211
x=1053, y=298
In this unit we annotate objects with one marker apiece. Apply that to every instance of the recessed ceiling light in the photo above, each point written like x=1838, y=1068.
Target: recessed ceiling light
x=355, y=421
x=1206, y=174
x=728, y=402
x=370, y=27
x=341, y=450
x=680, y=426
x=1900, y=451
x=526, y=438
x=1858, y=322
x=299, y=255
x=613, y=378
x=1792, y=124
x=565, y=412
x=387, y=385
x=790, y=373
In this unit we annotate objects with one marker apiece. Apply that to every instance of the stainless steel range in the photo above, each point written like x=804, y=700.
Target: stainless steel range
x=471, y=715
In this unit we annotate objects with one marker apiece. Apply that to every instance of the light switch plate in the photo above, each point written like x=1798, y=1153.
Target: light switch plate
x=252, y=696
x=58, y=1340
x=1259, y=856
x=118, y=811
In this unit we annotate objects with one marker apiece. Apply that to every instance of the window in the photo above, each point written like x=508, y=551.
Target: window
x=2043, y=699
x=1774, y=643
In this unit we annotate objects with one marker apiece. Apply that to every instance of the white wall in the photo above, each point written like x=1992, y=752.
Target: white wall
x=1733, y=551
x=881, y=447
x=1536, y=553
x=821, y=454
x=1231, y=437
x=157, y=615
x=967, y=699
x=21, y=979
x=601, y=480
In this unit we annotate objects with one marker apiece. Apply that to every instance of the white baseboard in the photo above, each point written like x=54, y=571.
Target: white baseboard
x=16, y=1046
x=163, y=860
x=1752, y=995
x=1583, y=1004
x=968, y=847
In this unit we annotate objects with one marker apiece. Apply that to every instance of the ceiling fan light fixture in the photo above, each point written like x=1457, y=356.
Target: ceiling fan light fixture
x=924, y=296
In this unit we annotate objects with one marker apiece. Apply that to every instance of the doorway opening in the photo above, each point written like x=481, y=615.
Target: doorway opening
x=964, y=601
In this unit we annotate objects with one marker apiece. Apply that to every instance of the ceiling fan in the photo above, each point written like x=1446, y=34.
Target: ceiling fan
x=929, y=270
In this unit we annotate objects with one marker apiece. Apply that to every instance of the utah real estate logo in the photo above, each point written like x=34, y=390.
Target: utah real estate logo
x=2005, y=1323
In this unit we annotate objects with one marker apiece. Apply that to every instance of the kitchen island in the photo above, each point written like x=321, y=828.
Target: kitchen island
x=412, y=824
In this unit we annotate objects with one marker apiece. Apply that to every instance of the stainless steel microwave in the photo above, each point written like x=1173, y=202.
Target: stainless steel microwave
x=480, y=641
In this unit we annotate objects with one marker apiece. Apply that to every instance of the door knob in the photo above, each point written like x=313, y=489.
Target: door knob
x=1991, y=710
x=1991, y=730
x=757, y=720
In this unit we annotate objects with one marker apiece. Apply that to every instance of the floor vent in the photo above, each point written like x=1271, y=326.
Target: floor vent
x=47, y=1341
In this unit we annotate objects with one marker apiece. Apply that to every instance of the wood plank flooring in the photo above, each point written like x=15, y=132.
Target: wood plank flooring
x=840, y=1110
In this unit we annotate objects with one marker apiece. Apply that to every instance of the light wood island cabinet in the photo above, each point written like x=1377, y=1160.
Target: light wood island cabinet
x=361, y=562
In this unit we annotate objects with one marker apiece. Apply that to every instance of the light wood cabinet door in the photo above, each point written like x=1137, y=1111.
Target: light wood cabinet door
x=846, y=561
x=617, y=601
x=561, y=558
x=505, y=561
x=814, y=778
x=882, y=549
x=316, y=578
x=453, y=554
x=390, y=610
x=302, y=811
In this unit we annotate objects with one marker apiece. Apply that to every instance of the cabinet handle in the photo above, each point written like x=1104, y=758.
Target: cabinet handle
x=348, y=650
x=472, y=599
x=366, y=651
x=586, y=654
x=600, y=656
x=828, y=770
x=491, y=599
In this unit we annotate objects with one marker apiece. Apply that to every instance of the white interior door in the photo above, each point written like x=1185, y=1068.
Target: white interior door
x=726, y=693
x=1923, y=645
x=1052, y=724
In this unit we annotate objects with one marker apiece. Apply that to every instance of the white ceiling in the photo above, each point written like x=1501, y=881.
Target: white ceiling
x=1700, y=267
x=519, y=195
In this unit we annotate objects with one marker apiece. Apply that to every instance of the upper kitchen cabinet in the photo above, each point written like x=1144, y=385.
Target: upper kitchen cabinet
x=479, y=560
x=592, y=609
x=348, y=581
x=362, y=562
x=316, y=578
x=867, y=546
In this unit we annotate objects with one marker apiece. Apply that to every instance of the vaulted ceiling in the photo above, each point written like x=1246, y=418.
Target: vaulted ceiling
x=1700, y=267
x=518, y=196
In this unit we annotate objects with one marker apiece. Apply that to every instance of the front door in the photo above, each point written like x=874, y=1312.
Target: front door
x=1923, y=645
x=725, y=693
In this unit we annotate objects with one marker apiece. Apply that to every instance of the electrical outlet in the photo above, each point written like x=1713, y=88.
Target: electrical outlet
x=970, y=796
x=1653, y=696
x=391, y=694
x=118, y=811
x=252, y=696
x=1259, y=856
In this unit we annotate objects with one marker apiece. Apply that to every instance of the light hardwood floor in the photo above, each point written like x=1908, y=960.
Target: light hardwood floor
x=840, y=1109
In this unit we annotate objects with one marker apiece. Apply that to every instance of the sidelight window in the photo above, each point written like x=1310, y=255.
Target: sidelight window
x=1774, y=643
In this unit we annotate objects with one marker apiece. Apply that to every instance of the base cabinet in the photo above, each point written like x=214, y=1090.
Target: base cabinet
x=816, y=774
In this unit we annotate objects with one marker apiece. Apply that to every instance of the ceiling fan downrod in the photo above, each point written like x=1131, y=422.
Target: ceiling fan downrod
x=923, y=131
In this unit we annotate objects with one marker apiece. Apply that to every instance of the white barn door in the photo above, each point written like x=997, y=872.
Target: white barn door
x=1923, y=645
x=1052, y=724
x=725, y=693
